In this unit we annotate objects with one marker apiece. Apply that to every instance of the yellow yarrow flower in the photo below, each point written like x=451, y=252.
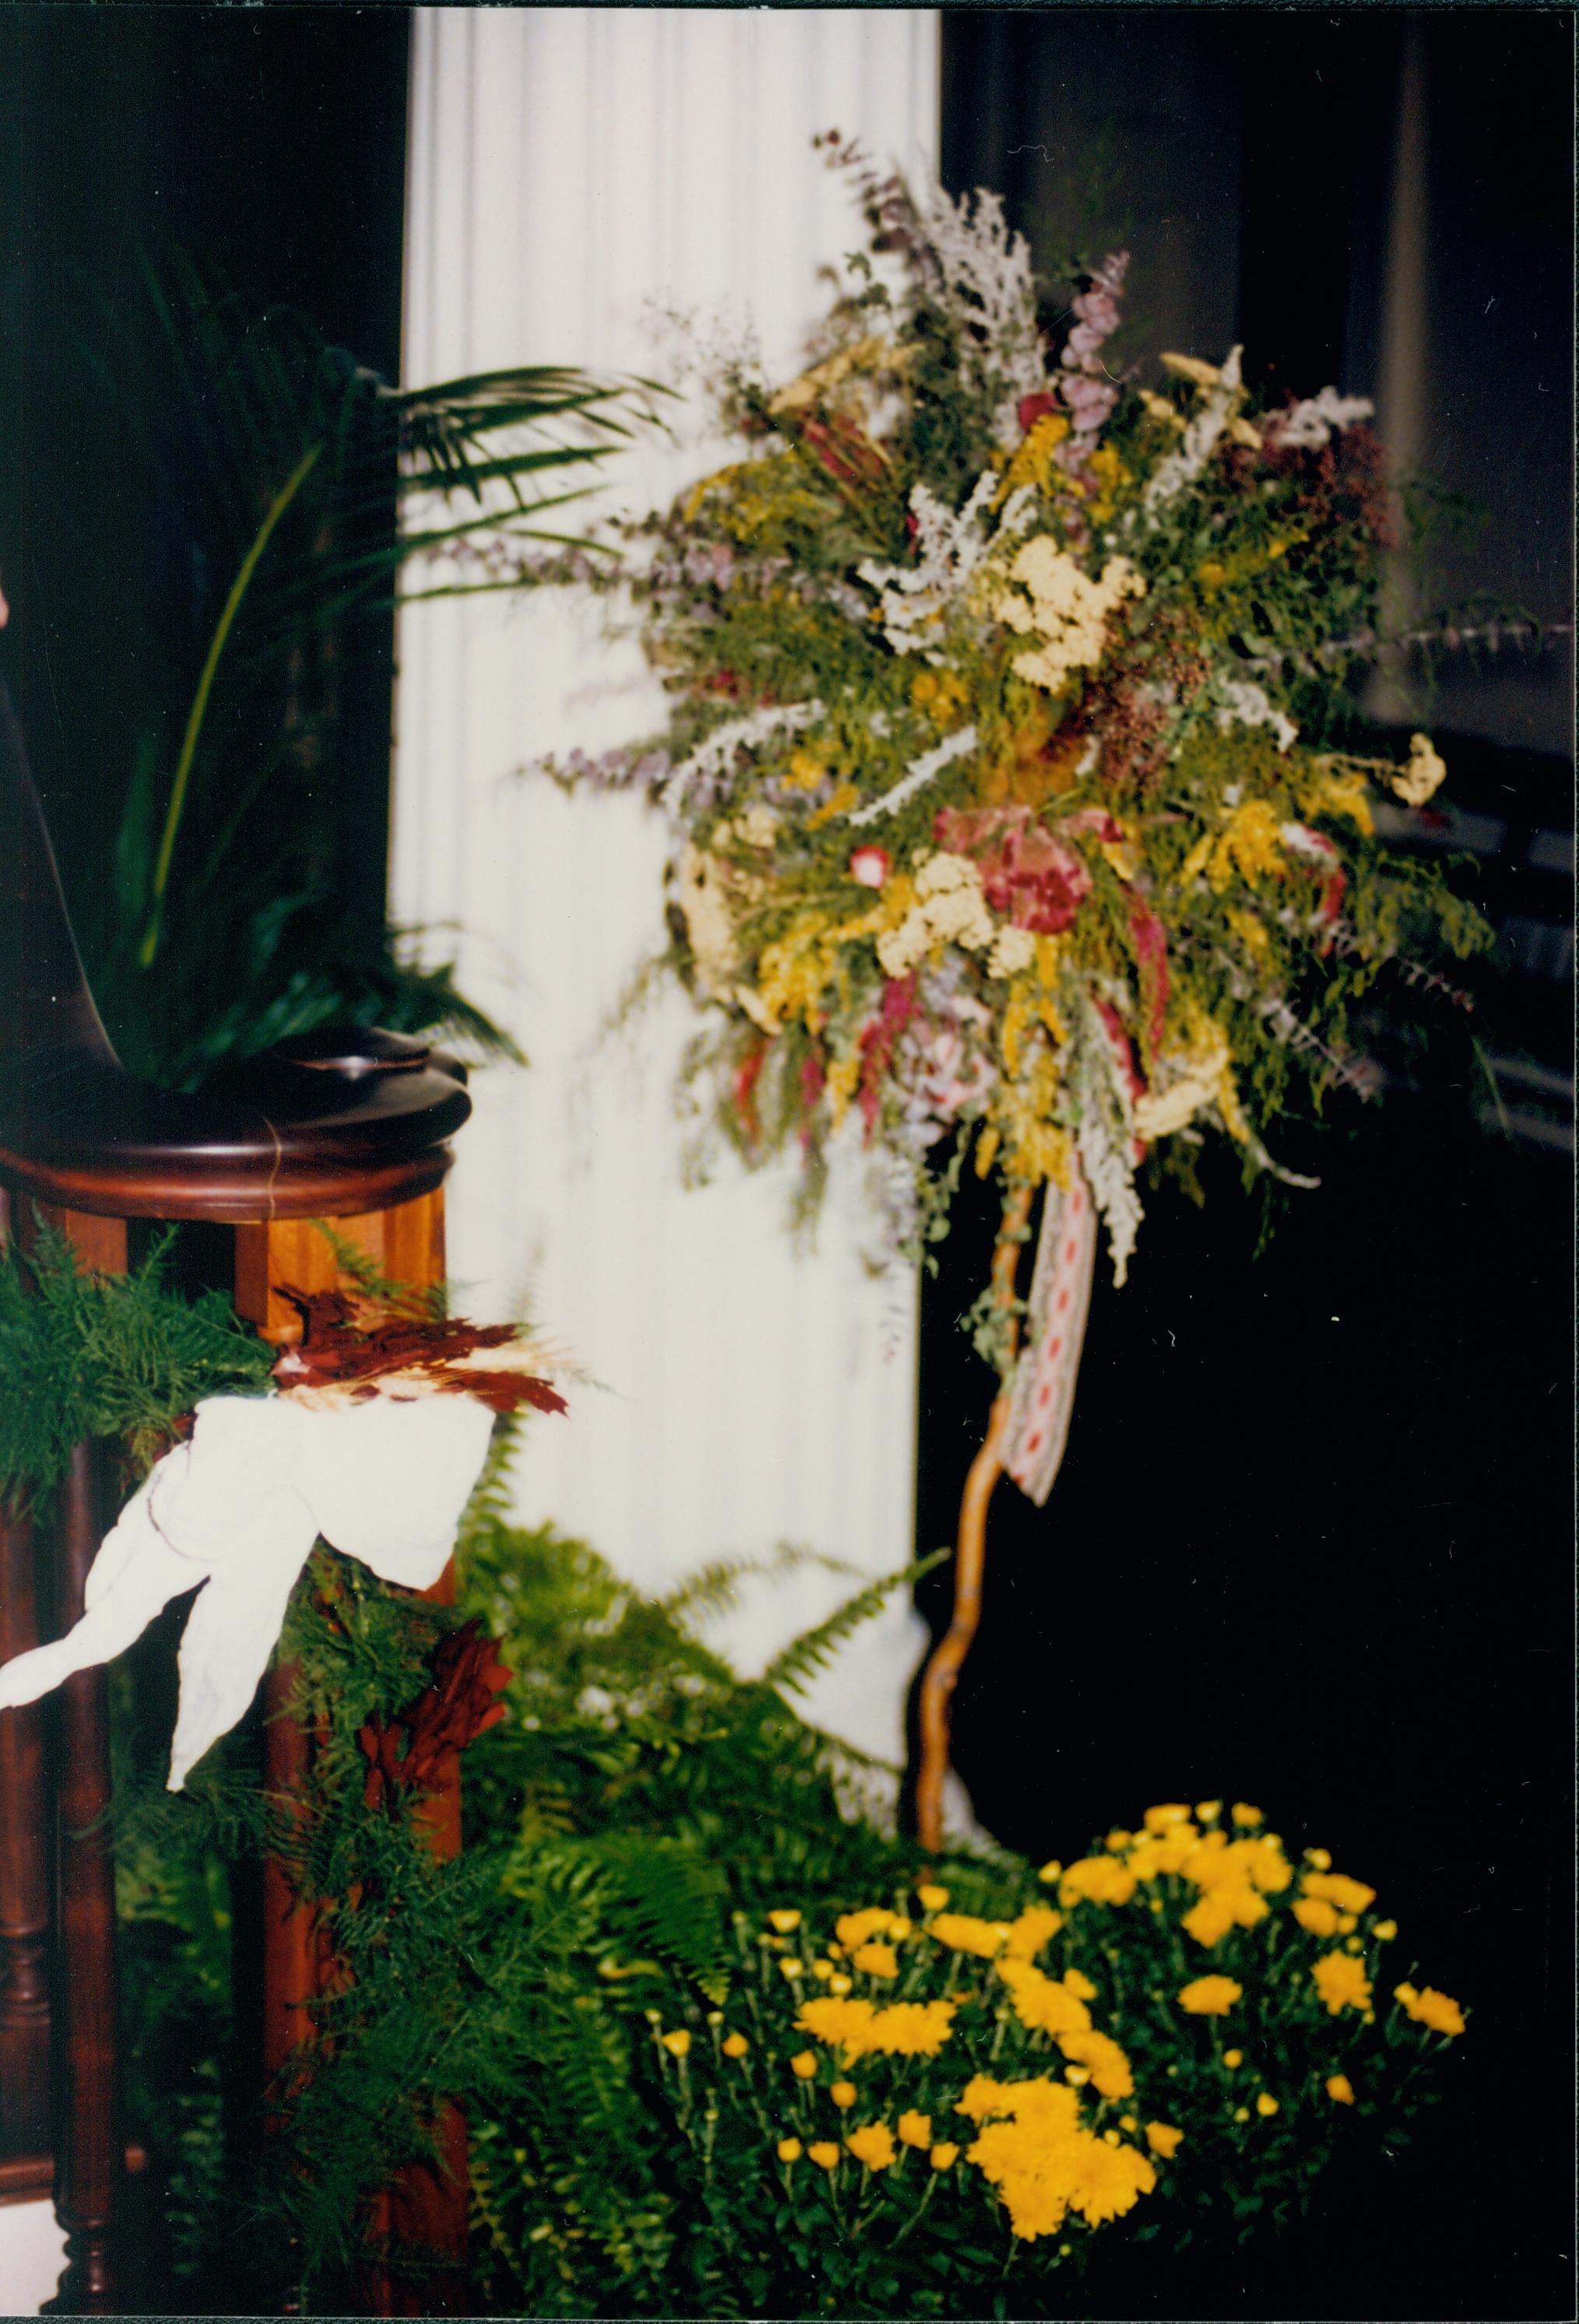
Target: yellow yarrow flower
x=916, y=2129
x=1210, y=1996
x=1428, y=2007
x=873, y=2144
x=1163, y=2139
x=677, y=2043
x=1342, y=1982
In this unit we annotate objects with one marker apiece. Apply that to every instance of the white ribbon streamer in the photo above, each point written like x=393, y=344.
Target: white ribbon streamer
x=234, y=1511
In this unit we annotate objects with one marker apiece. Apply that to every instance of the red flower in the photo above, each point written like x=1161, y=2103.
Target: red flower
x=1032, y=408
x=878, y=1036
x=746, y=1077
x=1031, y=878
x=449, y=1714
x=1151, y=952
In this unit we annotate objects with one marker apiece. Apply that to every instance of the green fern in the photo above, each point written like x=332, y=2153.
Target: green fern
x=794, y=1666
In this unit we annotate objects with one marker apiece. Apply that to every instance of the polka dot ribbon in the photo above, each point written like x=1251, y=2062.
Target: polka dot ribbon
x=1043, y=1393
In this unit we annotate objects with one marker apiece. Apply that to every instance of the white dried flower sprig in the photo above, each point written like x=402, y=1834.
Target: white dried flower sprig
x=710, y=766
x=920, y=772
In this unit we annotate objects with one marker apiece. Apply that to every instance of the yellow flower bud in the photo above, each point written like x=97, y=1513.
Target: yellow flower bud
x=1208, y=1810
x=1241, y=2114
x=1341, y=2088
x=1320, y=1856
x=1231, y=2058
x=823, y=2153
x=735, y=2045
x=677, y=2043
x=1242, y=1814
x=932, y=1897
x=1163, y=2139
x=838, y=1983
x=788, y=2149
x=1078, y=2076
x=1128, y=2122
x=843, y=2095
x=804, y=2065
x=1266, y=2103
x=783, y=1921
x=1384, y=1932
x=916, y=2129
x=1052, y=1871
x=791, y=1968
x=944, y=2156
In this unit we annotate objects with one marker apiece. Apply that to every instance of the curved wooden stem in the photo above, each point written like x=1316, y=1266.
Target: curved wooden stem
x=970, y=1555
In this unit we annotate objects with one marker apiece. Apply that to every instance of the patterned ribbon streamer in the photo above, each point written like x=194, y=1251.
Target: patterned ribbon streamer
x=1043, y=1394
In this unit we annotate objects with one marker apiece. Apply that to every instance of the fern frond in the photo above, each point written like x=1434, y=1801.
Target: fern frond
x=798, y=1663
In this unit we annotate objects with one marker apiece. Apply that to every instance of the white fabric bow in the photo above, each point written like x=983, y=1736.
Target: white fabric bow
x=235, y=1510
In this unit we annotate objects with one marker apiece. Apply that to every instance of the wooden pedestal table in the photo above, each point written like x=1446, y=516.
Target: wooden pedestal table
x=350, y=1126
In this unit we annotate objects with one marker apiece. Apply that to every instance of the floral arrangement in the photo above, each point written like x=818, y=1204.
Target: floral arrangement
x=912, y=2093
x=1006, y=764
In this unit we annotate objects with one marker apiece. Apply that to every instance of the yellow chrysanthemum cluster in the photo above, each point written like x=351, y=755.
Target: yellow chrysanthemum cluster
x=901, y=2029
x=1044, y=2163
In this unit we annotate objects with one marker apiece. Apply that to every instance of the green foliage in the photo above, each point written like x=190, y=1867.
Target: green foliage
x=110, y=1356
x=233, y=898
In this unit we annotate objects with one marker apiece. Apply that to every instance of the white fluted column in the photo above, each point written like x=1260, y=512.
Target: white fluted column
x=570, y=169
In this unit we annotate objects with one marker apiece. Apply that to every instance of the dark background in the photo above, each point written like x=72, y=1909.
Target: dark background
x=1312, y=1542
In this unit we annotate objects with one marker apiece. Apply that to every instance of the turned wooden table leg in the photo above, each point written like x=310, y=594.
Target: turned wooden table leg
x=425, y=2210
x=24, y=1889
x=88, y=2144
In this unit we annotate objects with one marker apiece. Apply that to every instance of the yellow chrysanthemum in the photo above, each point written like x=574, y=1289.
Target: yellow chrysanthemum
x=1340, y=2088
x=876, y=1959
x=915, y=2129
x=1232, y=1907
x=1428, y=2007
x=1163, y=2139
x=931, y=1898
x=873, y=2144
x=905, y=2029
x=1097, y=1879
x=1042, y=2003
x=843, y=2095
x=803, y=2065
x=788, y=2149
x=1162, y=1819
x=964, y=1932
x=735, y=2045
x=853, y=1929
x=1232, y=2059
x=1338, y=1888
x=1314, y=1913
x=1044, y=2163
x=678, y=2043
x=1210, y=1996
x=1385, y=1932
x=944, y=2156
x=1342, y=1982
x=823, y=2153
x=1106, y=2062
x=1029, y=1931
x=1266, y=2104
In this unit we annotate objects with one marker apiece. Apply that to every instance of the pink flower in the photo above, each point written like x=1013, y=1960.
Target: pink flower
x=870, y=866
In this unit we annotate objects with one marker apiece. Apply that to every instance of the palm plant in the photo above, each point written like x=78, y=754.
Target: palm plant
x=281, y=486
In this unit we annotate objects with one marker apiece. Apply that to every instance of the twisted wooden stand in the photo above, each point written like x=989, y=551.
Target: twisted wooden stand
x=941, y=1674
x=352, y=1126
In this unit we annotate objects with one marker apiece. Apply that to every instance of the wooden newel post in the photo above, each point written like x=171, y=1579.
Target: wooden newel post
x=348, y=1125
